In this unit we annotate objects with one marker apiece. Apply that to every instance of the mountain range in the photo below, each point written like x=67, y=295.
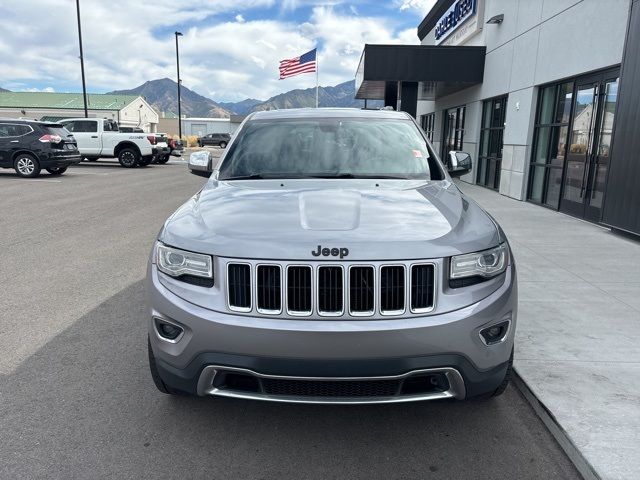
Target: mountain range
x=162, y=95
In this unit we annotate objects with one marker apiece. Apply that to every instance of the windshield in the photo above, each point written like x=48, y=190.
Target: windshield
x=327, y=148
x=57, y=130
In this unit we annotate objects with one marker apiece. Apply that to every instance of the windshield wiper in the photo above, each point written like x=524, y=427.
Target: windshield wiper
x=351, y=175
x=284, y=176
x=253, y=176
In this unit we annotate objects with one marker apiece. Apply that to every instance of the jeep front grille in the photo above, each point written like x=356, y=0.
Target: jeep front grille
x=239, y=283
x=422, y=288
x=299, y=291
x=268, y=289
x=392, y=290
x=330, y=290
x=361, y=290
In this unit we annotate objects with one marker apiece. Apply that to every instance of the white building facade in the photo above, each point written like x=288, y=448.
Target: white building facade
x=542, y=93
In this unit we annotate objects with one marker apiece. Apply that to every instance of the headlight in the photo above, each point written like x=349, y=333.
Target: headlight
x=175, y=262
x=200, y=158
x=487, y=263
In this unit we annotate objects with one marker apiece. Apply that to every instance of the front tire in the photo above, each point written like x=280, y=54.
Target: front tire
x=223, y=144
x=128, y=157
x=162, y=160
x=26, y=165
x=56, y=170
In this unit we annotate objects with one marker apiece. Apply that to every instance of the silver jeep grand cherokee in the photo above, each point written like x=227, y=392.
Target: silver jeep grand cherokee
x=330, y=259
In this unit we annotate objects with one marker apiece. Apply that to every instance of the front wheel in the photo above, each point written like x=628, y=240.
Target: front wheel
x=162, y=160
x=223, y=144
x=56, y=170
x=26, y=165
x=128, y=157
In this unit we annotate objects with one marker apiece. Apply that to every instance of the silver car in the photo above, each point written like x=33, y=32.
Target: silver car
x=331, y=259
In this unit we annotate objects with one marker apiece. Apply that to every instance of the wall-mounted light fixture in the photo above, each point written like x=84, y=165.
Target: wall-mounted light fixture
x=496, y=19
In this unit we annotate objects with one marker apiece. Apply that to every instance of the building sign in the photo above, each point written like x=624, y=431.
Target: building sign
x=458, y=16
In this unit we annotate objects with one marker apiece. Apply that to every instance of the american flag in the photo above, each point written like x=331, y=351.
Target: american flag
x=305, y=63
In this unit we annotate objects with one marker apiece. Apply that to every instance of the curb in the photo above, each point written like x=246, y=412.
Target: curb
x=579, y=461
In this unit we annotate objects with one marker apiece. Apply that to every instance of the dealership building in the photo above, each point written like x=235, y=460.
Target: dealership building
x=544, y=94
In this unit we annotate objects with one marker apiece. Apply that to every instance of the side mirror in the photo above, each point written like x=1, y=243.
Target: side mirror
x=200, y=158
x=459, y=163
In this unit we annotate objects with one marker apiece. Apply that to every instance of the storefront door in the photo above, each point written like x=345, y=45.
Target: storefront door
x=589, y=145
x=453, y=131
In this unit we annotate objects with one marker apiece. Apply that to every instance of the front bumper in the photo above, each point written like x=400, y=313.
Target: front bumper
x=333, y=349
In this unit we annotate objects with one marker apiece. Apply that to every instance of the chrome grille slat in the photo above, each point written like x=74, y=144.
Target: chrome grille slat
x=422, y=287
x=331, y=290
x=361, y=290
x=239, y=286
x=299, y=291
x=392, y=292
x=269, y=289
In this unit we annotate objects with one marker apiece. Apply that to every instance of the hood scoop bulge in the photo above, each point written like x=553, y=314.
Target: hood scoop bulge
x=329, y=210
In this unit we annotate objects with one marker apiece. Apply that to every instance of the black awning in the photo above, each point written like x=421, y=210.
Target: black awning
x=442, y=69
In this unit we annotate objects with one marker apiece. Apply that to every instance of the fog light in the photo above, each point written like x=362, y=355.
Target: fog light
x=495, y=333
x=168, y=331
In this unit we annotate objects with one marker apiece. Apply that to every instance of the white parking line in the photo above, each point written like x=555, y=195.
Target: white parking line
x=39, y=180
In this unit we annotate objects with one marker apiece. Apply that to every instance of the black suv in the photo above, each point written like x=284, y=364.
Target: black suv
x=217, y=139
x=29, y=146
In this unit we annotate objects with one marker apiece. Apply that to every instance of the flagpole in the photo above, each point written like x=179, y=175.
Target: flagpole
x=316, y=78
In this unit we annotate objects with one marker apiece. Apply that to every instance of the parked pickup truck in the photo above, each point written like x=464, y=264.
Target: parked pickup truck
x=99, y=137
x=160, y=142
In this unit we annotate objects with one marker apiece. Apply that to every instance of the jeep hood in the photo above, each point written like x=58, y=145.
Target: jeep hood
x=287, y=219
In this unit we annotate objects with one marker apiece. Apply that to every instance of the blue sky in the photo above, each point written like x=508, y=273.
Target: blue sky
x=230, y=48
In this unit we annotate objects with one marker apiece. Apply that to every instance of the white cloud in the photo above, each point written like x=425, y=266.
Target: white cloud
x=33, y=89
x=422, y=7
x=234, y=59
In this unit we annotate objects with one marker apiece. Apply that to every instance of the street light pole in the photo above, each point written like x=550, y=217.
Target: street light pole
x=84, y=85
x=178, y=34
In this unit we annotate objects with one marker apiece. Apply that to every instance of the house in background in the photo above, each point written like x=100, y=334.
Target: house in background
x=127, y=110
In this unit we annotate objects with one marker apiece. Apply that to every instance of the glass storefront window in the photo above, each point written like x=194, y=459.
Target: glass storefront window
x=547, y=104
x=572, y=143
x=453, y=131
x=537, y=184
x=550, y=143
x=491, y=132
x=428, y=122
x=563, y=107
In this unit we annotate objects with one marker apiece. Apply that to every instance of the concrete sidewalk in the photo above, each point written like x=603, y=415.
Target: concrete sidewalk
x=578, y=336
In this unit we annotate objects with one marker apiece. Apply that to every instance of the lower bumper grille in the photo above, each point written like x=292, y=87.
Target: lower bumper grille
x=428, y=384
x=309, y=388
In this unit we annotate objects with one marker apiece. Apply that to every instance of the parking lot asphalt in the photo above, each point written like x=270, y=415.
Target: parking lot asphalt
x=77, y=401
